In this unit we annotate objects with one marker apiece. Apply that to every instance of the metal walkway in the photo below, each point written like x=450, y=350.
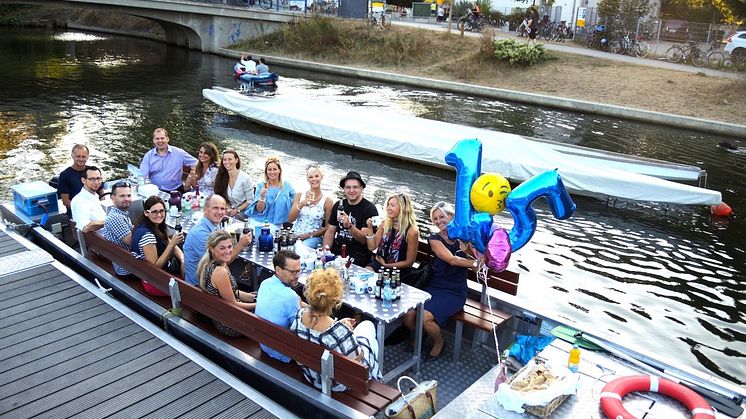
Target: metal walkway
x=69, y=350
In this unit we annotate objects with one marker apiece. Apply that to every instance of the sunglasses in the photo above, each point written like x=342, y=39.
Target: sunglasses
x=120, y=185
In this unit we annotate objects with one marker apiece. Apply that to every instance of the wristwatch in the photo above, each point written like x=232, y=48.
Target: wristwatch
x=475, y=264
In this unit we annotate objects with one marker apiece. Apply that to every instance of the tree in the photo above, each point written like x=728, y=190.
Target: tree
x=622, y=14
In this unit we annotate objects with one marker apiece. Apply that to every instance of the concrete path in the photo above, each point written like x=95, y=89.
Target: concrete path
x=570, y=47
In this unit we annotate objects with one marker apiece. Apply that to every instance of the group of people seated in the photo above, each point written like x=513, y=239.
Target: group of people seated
x=247, y=65
x=203, y=257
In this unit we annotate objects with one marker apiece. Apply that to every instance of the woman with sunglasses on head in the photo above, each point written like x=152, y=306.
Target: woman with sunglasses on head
x=233, y=184
x=204, y=172
x=397, y=238
x=448, y=282
x=324, y=292
x=215, y=277
x=273, y=197
x=151, y=243
x=310, y=211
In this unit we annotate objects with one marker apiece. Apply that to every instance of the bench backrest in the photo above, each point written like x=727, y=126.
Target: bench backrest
x=347, y=371
x=505, y=281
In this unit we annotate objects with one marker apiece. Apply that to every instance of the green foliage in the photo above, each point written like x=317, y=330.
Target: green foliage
x=622, y=14
x=519, y=53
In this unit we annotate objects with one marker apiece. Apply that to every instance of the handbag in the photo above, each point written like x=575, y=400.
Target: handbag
x=418, y=403
x=420, y=276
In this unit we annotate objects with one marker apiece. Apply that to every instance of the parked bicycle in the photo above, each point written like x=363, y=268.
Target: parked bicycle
x=522, y=29
x=688, y=52
x=471, y=23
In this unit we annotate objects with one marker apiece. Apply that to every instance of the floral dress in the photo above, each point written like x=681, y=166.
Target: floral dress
x=310, y=218
x=207, y=182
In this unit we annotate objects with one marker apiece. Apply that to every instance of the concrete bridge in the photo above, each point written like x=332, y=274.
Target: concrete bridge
x=195, y=25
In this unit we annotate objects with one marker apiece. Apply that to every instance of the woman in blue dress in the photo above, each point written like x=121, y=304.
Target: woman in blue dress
x=273, y=198
x=448, y=283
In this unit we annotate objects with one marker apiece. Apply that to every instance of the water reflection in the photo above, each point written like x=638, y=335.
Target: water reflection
x=664, y=278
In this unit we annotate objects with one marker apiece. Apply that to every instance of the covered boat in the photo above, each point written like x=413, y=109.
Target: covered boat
x=584, y=171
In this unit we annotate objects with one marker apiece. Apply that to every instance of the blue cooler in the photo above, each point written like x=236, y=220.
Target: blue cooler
x=35, y=198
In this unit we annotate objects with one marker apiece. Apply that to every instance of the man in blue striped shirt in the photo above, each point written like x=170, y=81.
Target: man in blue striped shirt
x=117, y=225
x=164, y=163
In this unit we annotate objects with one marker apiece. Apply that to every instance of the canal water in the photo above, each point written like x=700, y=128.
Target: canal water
x=667, y=280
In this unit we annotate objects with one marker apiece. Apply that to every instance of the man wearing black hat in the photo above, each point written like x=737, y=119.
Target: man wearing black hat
x=347, y=223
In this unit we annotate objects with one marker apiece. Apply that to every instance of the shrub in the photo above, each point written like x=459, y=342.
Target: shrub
x=519, y=53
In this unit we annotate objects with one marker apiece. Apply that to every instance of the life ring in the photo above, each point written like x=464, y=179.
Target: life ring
x=613, y=392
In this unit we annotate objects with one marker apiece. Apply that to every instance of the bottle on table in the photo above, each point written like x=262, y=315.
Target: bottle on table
x=379, y=284
x=343, y=251
x=387, y=294
x=573, y=361
x=396, y=282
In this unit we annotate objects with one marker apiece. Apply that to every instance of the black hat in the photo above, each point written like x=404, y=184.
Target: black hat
x=351, y=175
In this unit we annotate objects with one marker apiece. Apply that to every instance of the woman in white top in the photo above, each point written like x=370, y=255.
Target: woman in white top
x=310, y=210
x=204, y=172
x=232, y=184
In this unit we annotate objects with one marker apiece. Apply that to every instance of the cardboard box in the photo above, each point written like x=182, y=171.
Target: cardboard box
x=35, y=198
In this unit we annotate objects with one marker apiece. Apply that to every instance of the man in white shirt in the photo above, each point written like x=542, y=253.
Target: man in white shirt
x=87, y=211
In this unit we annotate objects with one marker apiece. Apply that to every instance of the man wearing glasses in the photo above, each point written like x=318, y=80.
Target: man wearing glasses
x=117, y=225
x=347, y=223
x=88, y=213
x=164, y=163
x=276, y=300
x=195, y=245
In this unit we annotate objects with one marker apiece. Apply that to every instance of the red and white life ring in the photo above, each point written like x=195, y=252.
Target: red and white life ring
x=613, y=392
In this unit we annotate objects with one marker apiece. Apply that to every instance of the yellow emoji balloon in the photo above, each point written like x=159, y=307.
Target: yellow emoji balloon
x=488, y=193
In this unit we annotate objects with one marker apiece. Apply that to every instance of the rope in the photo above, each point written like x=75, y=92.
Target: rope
x=482, y=275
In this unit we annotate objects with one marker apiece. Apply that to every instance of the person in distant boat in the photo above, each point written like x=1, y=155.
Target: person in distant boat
x=249, y=65
x=262, y=67
x=196, y=241
x=233, y=184
x=216, y=279
x=347, y=222
x=276, y=300
x=203, y=173
x=273, y=197
x=117, y=225
x=69, y=182
x=86, y=208
x=164, y=164
x=397, y=238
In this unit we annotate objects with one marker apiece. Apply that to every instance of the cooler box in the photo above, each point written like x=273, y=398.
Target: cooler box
x=35, y=198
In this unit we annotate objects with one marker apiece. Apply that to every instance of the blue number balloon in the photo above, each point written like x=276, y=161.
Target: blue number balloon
x=467, y=224
x=547, y=184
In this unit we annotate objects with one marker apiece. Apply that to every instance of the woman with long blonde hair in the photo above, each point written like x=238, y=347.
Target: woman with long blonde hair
x=324, y=293
x=215, y=277
x=396, y=240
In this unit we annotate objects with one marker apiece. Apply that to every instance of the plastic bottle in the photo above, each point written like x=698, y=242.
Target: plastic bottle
x=388, y=293
x=573, y=362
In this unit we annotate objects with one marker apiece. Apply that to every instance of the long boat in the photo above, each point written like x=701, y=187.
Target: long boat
x=584, y=171
x=723, y=399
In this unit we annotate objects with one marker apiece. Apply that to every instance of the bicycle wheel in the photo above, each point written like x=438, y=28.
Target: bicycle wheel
x=715, y=59
x=385, y=21
x=699, y=59
x=265, y=4
x=642, y=49
x=674, y=54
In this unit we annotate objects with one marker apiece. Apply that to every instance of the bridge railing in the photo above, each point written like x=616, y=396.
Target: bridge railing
x=325, y=7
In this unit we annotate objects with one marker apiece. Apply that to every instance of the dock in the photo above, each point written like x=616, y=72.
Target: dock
x=68, y=349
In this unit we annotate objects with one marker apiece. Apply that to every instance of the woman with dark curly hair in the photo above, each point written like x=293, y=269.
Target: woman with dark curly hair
x=204, y=172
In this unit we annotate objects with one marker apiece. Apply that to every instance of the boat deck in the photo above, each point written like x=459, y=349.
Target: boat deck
x=68, y=349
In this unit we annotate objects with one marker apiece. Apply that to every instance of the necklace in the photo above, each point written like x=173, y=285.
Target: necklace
x=445, y=237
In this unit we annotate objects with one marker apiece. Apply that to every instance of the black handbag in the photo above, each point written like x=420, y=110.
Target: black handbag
x=420, y=276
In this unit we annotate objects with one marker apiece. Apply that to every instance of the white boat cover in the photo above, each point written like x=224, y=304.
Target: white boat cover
x=427, y=141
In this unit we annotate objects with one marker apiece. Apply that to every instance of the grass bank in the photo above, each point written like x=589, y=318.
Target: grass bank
x=425, y=53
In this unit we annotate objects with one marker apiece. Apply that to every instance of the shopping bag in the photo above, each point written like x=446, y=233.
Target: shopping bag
x=418, y=403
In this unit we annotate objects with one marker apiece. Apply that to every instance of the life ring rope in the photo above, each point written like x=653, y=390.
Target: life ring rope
x=614, y=391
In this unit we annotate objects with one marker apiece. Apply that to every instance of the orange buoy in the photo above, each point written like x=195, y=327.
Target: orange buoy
x=721, y=210
x=614, y=391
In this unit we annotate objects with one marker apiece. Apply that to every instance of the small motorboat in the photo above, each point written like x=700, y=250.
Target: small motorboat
x=264, y=79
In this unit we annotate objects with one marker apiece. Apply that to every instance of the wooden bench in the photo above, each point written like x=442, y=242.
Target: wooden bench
x=477, y=313
x=364, y=395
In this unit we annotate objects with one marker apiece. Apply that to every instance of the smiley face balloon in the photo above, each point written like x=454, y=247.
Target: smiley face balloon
x=488, y=193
